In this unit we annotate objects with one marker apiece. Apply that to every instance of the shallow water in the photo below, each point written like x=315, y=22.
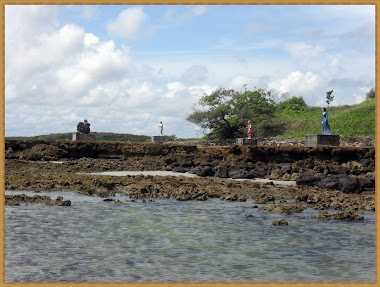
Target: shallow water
x=169, y=240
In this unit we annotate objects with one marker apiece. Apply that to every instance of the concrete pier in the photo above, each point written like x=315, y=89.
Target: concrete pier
x=158, y=139
x=246, y=141
x=322, y=140
x=82, y=137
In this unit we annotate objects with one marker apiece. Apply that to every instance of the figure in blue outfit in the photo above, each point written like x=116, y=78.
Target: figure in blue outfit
x=325, y=124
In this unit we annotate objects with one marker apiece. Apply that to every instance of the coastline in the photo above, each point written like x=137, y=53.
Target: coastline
x=339, y=179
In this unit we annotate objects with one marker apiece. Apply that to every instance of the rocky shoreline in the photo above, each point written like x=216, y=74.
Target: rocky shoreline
x=328, y=178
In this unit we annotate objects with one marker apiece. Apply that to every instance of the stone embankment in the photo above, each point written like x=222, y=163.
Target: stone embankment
x=340, y=178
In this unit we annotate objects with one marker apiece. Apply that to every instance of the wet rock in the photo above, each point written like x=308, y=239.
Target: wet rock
x=35, y=199
x=264, y=198
x=60, y=202
x=347, y=215
x=232, y=197
x=281, y=222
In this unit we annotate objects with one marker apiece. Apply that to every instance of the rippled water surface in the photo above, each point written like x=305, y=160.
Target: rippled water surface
x=169, y=240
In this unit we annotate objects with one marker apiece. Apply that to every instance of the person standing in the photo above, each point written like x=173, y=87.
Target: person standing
x=325, y=123
x=161, y=126
x=249, y=129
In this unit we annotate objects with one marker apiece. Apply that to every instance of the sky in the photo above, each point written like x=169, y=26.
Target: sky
x=127, y=68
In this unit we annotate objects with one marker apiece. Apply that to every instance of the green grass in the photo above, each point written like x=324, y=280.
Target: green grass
x=354, y=120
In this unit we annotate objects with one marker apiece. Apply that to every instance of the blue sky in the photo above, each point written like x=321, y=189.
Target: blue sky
x=126, y=68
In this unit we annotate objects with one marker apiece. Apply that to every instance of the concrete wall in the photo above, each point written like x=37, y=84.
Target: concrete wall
x=245, y=141
x=82, y=137
x=322, y=140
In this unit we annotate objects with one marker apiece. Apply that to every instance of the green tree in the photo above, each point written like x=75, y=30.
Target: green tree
x=293, y=104
x=329, y=97
x=226, y=112
x=370, y=94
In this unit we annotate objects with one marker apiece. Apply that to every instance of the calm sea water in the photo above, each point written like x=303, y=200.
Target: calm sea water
x=169, y=240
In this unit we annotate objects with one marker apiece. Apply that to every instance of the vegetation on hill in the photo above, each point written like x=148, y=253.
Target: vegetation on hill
x=354, y=120
x=100, y=136
x=226, y=113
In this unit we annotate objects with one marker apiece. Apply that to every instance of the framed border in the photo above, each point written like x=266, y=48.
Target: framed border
x=172, y=2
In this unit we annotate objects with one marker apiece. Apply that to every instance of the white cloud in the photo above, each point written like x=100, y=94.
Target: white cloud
x=128, y=23
x=26, y=21
x=56, y=75
x=298, y=84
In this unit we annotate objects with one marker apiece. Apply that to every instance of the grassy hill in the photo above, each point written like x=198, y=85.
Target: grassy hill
x=353, y=120
x=100, y=136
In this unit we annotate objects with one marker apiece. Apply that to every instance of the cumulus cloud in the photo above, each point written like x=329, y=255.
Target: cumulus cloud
x=61, y=76
x=57, y=74
x=128, y=23
x=297, y=84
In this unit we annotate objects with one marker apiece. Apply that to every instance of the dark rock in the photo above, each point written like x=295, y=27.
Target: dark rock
x=221, y=171
x=205, y=171
x=259, y=172
x=239, y=171
x=188, y=163
x=281, y=222
x=194, y=170
x=365, y=162
x=329, y=182
x=180, y=169
x=365, y=183
x=349, y=184
x=308, y=179
x=168, y=160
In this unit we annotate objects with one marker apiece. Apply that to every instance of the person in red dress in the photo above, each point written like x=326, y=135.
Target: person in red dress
x=249, y=129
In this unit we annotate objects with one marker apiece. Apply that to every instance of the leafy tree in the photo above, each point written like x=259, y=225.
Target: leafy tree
x=329, y=97
x=370, y=94
x=226, y=112
x=215, y=112
x=293, y=104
